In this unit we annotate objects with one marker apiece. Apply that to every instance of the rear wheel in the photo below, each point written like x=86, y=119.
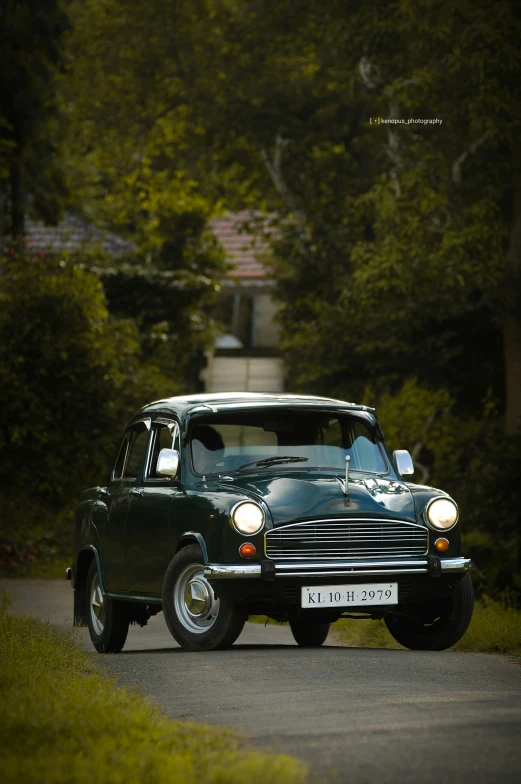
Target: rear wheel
x=436, y=625
x=196, y=618
x=308, y=634
x=108, y=619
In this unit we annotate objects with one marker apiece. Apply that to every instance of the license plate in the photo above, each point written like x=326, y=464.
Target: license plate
x=346, y=595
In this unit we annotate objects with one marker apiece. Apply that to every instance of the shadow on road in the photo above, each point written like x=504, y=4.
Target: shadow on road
x=263, y=648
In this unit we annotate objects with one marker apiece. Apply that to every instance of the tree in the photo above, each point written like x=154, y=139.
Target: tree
x=397, y=241
x=31, y=55
x=70, y=377
x=402, y=247
x=455, y=214
x=136, y=167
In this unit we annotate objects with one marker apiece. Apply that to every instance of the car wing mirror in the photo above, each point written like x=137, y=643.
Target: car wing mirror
x=168, y=463
x=403, y=462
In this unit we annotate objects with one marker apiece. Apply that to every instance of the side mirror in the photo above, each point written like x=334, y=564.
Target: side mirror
x=403, y=462
x=168, y=463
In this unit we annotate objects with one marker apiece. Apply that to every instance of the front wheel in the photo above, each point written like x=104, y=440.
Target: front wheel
x=308, y=634
x=436, y=625
x=196, y=618
x=108, y=619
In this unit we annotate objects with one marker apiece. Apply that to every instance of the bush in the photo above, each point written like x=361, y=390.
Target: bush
x=473, y=461
x=70, y=377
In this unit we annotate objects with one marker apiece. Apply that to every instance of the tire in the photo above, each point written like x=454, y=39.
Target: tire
x=439, y=624
x=108, y=619
x=308, y=634
x=197, y=620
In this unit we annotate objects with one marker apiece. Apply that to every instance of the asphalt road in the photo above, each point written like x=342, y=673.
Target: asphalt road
x=356, y=715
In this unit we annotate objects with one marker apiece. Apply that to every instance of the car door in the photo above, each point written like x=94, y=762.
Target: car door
x=150, y=532
x=120, y=491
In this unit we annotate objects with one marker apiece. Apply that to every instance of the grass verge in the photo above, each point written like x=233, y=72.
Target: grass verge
x=494, y=629
x=61, y=721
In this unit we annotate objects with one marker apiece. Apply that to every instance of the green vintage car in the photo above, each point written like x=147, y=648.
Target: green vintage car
x=228, y=505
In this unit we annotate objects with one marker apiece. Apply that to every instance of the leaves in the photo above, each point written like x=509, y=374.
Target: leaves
x=70, y=376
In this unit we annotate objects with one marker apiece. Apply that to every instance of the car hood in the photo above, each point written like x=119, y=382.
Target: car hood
x=301, y=495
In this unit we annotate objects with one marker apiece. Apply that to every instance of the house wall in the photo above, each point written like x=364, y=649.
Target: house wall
x=243, y=374
x=265, y=331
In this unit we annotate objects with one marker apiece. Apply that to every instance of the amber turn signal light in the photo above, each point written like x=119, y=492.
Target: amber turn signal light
x=441, y=545
x=247, y=550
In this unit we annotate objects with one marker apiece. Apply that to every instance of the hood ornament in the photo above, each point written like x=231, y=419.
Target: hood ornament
x=346, y=488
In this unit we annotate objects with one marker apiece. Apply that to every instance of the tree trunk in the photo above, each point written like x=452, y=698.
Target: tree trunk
x=512, y=320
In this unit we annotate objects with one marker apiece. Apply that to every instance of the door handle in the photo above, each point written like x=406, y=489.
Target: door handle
x=137, y=491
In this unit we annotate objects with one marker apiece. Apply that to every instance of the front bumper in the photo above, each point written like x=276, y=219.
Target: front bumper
x=335, y=569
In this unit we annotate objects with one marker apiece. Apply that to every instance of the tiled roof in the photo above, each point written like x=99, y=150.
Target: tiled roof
x=242, y=248
x=71, y=235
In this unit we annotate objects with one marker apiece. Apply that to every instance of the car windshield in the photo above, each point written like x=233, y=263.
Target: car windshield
x=246, y=441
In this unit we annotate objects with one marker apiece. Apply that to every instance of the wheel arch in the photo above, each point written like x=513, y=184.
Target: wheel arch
x=192, y=537
x=83, y=562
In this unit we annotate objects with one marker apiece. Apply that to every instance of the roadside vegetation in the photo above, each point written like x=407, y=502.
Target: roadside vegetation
x=62, y=721
x=495, y=628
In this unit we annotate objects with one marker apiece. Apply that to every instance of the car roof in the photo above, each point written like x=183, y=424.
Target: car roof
x=215, y=402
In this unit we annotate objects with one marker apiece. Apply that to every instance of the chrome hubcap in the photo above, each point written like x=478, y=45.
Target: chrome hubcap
x=195, y=603
x=97, y=607
x=197, y=597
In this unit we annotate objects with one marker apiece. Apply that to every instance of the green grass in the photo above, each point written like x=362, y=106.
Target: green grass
x=38, y=569
x=494, y=629
x=61, y=721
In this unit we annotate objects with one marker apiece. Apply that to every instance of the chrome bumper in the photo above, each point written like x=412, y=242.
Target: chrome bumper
x=333, y=569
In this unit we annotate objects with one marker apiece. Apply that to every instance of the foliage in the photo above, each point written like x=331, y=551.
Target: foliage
x=70, y=375
x=170, y=299
x=136, y=160
x=401, y=272
x=63, y=722
x=494, y=629
x=31, y=55
x=472, y=460
x=390, y=257
x=136, y=165
x=391, y=253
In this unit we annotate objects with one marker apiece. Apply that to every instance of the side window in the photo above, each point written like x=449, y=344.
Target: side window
x=137, y=450
x=165, y=437
x=120, y=462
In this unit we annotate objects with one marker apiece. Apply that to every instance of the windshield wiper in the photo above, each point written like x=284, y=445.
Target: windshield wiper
x=274, y=460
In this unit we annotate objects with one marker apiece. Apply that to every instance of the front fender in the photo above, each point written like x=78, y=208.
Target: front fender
x=190, y=536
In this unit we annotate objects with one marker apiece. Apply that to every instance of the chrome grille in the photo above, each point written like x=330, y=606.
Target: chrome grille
x=349, y=538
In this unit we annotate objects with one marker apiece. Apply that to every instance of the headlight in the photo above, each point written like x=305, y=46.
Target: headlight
x=442, y=513
x=248, y=518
